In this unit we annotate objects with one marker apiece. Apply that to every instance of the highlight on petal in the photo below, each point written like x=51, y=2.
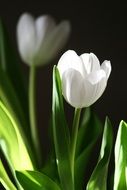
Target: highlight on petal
x=73, y=88
x=96, y=76
x=90, y=61
x=26, y=37
x=70, y=60
x=95, y=86
x=106, y=66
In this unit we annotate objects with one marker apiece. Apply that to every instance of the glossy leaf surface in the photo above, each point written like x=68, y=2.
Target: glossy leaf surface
x=61, y=135
x=120, y=177
x=4, y=178
x=12, y=143
x=36, y=181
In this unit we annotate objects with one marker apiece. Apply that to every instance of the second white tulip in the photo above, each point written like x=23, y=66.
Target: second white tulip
x=40, y=40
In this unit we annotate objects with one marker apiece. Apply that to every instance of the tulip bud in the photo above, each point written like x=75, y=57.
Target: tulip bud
x=40, y=40
x=83, y=79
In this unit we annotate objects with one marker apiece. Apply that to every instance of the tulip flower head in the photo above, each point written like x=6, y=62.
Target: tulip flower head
x=40, y=40
x=83, y=78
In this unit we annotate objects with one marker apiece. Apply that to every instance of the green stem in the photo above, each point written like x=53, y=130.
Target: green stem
x=74, y=138
x=32, y=112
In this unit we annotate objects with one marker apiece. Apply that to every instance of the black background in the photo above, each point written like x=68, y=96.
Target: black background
x=97, y=26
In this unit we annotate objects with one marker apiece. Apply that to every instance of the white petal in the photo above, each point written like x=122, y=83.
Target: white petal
x=26, y=37
x=70, y=60
x=44, y=26
x=91, y=62
x=106, y=66
x=96, y=76
x=73, y=88
x=58, y=37
x=55, y=41
x=95, y=85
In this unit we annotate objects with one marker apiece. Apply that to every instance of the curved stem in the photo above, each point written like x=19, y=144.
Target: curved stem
x=32, y=112
x=74, y=138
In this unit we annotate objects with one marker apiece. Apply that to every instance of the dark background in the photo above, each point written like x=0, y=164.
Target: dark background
x=97, y=26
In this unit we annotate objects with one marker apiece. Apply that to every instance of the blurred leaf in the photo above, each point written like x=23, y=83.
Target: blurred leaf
x=61, y=135
x=12, y=142
x=4, y=178
x=85, y=119
x=11, y=71
x=34, y=180
x=89, y=131
x=120, y=177
x=89, y=121
x=8, y=96
x=98, y=180
x=50, y=168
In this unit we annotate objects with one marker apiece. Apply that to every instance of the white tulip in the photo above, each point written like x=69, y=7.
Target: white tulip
x=40, y=40
x=83, y=79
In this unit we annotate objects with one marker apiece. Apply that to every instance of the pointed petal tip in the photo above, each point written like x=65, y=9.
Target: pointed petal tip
x=68, y=60
x=106, y=66
x=95, y=58
x=65, y=26
x=108, y=63
x=47, y=19
x=25, y=15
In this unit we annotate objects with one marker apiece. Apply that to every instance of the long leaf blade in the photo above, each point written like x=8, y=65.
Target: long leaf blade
x=35, y=180
x=98, y=180
x=11, y=68
x=120, y=177
x=4, y=178
x=91, y=125
x=8, y=96
x=12, y=142
x=61, y=135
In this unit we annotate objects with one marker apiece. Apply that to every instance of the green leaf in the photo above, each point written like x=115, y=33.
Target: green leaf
x=89, y=131
x=98, y=180
x=85, y=119
x=120, y=177
x=9, y=65
x=12, y=91
x=61, y=135
x=12, y=142
x=34, y=180
x=89, y=121
x=8, y=96
x=50, y=167
x=4, y=178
